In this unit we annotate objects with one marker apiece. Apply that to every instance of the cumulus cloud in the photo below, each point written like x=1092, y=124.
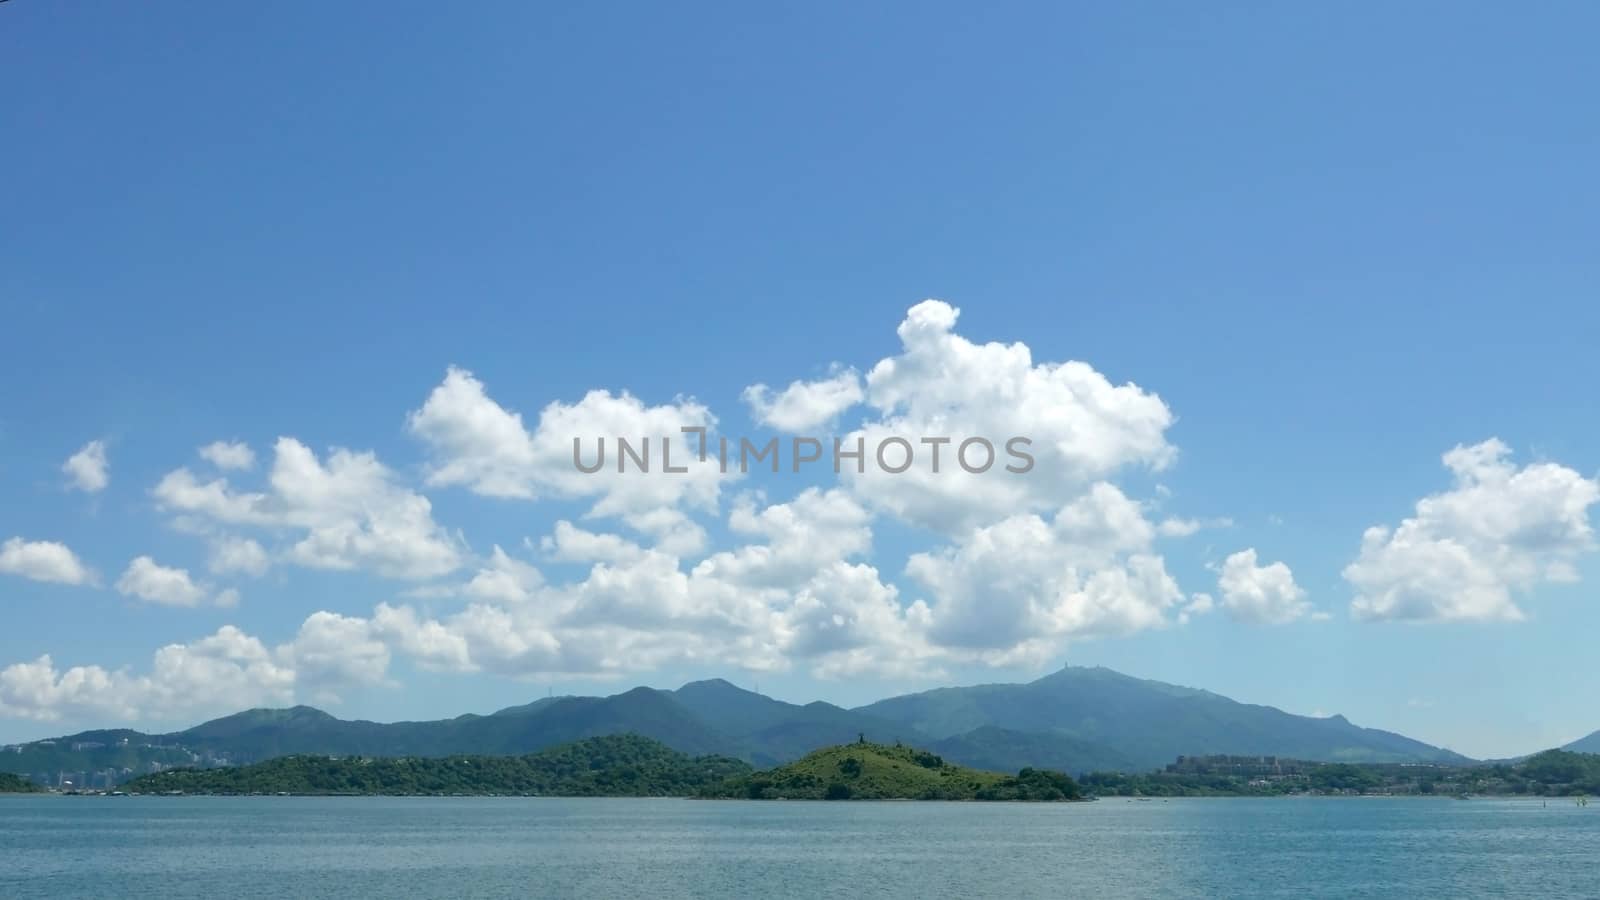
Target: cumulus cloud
x=1465, y=553
x=88, y=470
x=569, y=543
x=1025, y=562
x=232, y=555
x=1198, y=605
x=505, y=578
x=1265, y=595
x=1081, y=427
x=1013, y=591
x=229, y=455
x=155, y=583
x=478, y=444
x=793, y=595
x=226, y=671
x=805, y=405
x=350, y=512
x=1177, y=527
x=47, y=561
x=331, y=652
x=798, y=590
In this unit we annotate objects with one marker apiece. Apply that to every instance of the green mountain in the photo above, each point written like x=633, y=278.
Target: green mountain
x=1076, y=720
x=100, y=758
x=869, y=771
x=1147, y=723
x=265, y=733
x=611, y=766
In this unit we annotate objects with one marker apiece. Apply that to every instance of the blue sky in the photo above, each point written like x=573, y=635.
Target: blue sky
x=1326, y=246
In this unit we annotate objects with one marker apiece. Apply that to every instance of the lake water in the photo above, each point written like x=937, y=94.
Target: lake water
x=353, y=848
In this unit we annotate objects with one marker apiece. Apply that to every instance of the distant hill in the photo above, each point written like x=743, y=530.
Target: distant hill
x=265, y=733
x=1147, y=723
x=869, y=771
x=261, y=734
x=1076, y=720
x=611, y=766
x=1590, y=744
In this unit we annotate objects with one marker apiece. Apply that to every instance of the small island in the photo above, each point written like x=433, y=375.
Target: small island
x=868, y=771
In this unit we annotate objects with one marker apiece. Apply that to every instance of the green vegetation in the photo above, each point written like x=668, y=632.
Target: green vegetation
x=1329, y=778
x=1552, y=773
x=868, y=771
x=612, y=766
x=12, y=784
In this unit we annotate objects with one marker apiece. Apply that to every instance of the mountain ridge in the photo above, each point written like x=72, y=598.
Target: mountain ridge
x=1074, y=720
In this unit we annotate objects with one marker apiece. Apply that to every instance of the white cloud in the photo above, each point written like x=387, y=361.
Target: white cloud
x=155, y=583
x=238, y=556
x=1177, y=528
x=480, y=445
x=1264, y=595
x=1034, y=560
x=1082, y=427
x=88, y=469
x=792, y=598
x=430, y=643
x=43, y=561
x=332, y=651
x=805, y=405
x=802, y=537
x=222, y=673
x=475, y=441
x=1499, y=531
x=569, y=543
x=799, y=591
x=348, y=513
x=1198, y=605
x=505, y=578
x=1013, y=591
x=232, y=456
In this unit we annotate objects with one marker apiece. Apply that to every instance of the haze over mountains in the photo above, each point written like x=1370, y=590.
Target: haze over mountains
x=1588, y=744
x=1073, y=720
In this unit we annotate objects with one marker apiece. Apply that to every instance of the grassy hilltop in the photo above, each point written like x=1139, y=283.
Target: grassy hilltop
x=868, y=771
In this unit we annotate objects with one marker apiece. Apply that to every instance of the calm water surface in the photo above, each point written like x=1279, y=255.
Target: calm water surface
x=353, y=848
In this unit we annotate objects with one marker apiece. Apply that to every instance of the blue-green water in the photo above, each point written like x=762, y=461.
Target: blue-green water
x=353, y=848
